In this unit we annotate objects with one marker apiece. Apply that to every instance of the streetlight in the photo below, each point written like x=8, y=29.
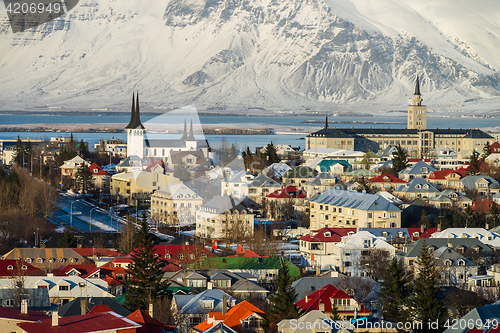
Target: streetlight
x=91, y=218
x=36, y=235
x=71, y=213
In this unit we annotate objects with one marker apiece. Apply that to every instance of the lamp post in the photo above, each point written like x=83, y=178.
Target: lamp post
x=91, y=218
x=71, y=213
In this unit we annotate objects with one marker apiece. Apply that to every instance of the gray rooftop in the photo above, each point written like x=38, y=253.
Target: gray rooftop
x=355, y=200
x=417, y=185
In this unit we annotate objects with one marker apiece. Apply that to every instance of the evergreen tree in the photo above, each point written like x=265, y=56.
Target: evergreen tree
x=334, y=314
x=394, y=291
x=247, y=158
x=84, y=151
x=399, y=159
x=281, y=303
x=271, y=154
x=19, y=152
x=144, y=284
x=82, y=177
x=67, y=240
x=486, y=151
x=474, y=164
x=182, y=172
x=494, y=214
x=424, y=305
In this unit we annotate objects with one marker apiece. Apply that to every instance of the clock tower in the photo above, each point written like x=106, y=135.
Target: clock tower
x=417, y=113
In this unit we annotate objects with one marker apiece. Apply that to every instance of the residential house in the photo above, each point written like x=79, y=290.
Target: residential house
x=417, y=170
x=484, y=205
x=263, y=269
x=486, y=237
x=317, y=247
x=135, y=187
x=446, y=179
x=236, y=185
x=454, y=268
x=10, y=317
x=328, y=297
x=181, y=255
x=222, y=215
x=63, y=289
x=243, y=317
x=385, y=182
x=191, y=310
x=261, y=186
x=70, y=167
x=358, y=174
x=449, y=199
x=345, y=209
x=190, y=159
x=411, y=252
x=100, y=178
x=130, y=163
x=485, y=185
x=333, y=167
x=484, y=319
x=349, y=251
x=289, y=192
x=416, y=188
x=112, y=147
x=37, y=299
x=367, y=161
x=149, y=324
x=46, y=258
x=320, y=184
x=157, y=166
x=17, y=267
x=276, y=170
x=298, y=176
x=175, y=204
x=90, y=323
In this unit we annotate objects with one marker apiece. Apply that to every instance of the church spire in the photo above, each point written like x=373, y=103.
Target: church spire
x=417, y=87
x=184, y=134
x=135, y=118
x=326, y=122
x=191, y=134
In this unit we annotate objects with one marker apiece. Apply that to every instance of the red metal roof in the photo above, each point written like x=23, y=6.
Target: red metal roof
x=385, y=178
x=94, y=322
x=10, y=267
x=495, y=147
x=84, y=270
x=483, y=205
x=288, y=192
x=15, y=314
x=99, y=172
x=151, y=164
x=442, y=174
x=426, y=234
x=149, y=325
x=336, y=235
x=324, y=296
x=99, y=308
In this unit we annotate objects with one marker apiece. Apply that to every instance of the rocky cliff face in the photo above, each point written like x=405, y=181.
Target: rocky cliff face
x=284, y=54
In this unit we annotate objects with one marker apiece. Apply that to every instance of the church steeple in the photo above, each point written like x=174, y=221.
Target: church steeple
x=326, y=122
x=191, y=134
x=417, y=113
x=135, y=117
x=184, y=134
x=417, y=87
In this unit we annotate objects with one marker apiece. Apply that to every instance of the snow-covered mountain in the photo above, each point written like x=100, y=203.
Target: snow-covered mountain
x=286, y=54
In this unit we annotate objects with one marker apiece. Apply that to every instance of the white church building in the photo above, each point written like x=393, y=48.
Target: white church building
x=146, y=148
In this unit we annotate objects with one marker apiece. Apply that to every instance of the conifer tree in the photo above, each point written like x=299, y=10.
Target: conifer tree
x=334, y=313
x=67, y=240
x=474, y=164
x=144, y=284
x=425, y=306
x=282, y=302
x=394, y=291
x=486, y=151
x=271, y=153
x=399, y=159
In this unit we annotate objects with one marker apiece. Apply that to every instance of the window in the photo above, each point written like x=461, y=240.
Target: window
x=10, y=267
x=63, y=288
x=347, y=264
x=369, y=215
x=181, y=256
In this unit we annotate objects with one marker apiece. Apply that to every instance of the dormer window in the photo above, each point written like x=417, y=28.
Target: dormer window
x=62, y=259
x=447, y=262
x=328, y=234
x=24, y=267
x=424, y=170
x=29, y=260
x=73, y=260
x=461, y=262
x=181, y=256
x=10, y=267
x=168, y=256
x=39, y=260
x=416, y=234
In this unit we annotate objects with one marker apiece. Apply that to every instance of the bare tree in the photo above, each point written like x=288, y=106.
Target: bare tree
x=127, y=237
x=374, y=262
x=263, y=244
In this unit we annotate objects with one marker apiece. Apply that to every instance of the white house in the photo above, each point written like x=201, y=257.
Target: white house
x=483, y=235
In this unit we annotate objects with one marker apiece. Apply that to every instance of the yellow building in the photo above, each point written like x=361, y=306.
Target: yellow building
x=174, y=204
x=416, y=139
x=135, y=187
x=348, y=209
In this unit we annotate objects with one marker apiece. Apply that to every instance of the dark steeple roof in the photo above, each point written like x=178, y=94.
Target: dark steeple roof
x=326, y=122
x=417, y=87
x=191, y=136
x=184, y=134
x=135, y=117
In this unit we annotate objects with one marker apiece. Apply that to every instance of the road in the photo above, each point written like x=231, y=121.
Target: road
x=80, y=219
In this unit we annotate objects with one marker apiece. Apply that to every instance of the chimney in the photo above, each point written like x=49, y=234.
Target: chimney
x=450, y=245
x=239, y=248
x=151, y=310
x=83, y=306
x=224, y=304
x=439, y=227
x=487, y=227
x=24, y=306
x=55, y=319
x=318, y=270
x=422, y=229
x=209, y=285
